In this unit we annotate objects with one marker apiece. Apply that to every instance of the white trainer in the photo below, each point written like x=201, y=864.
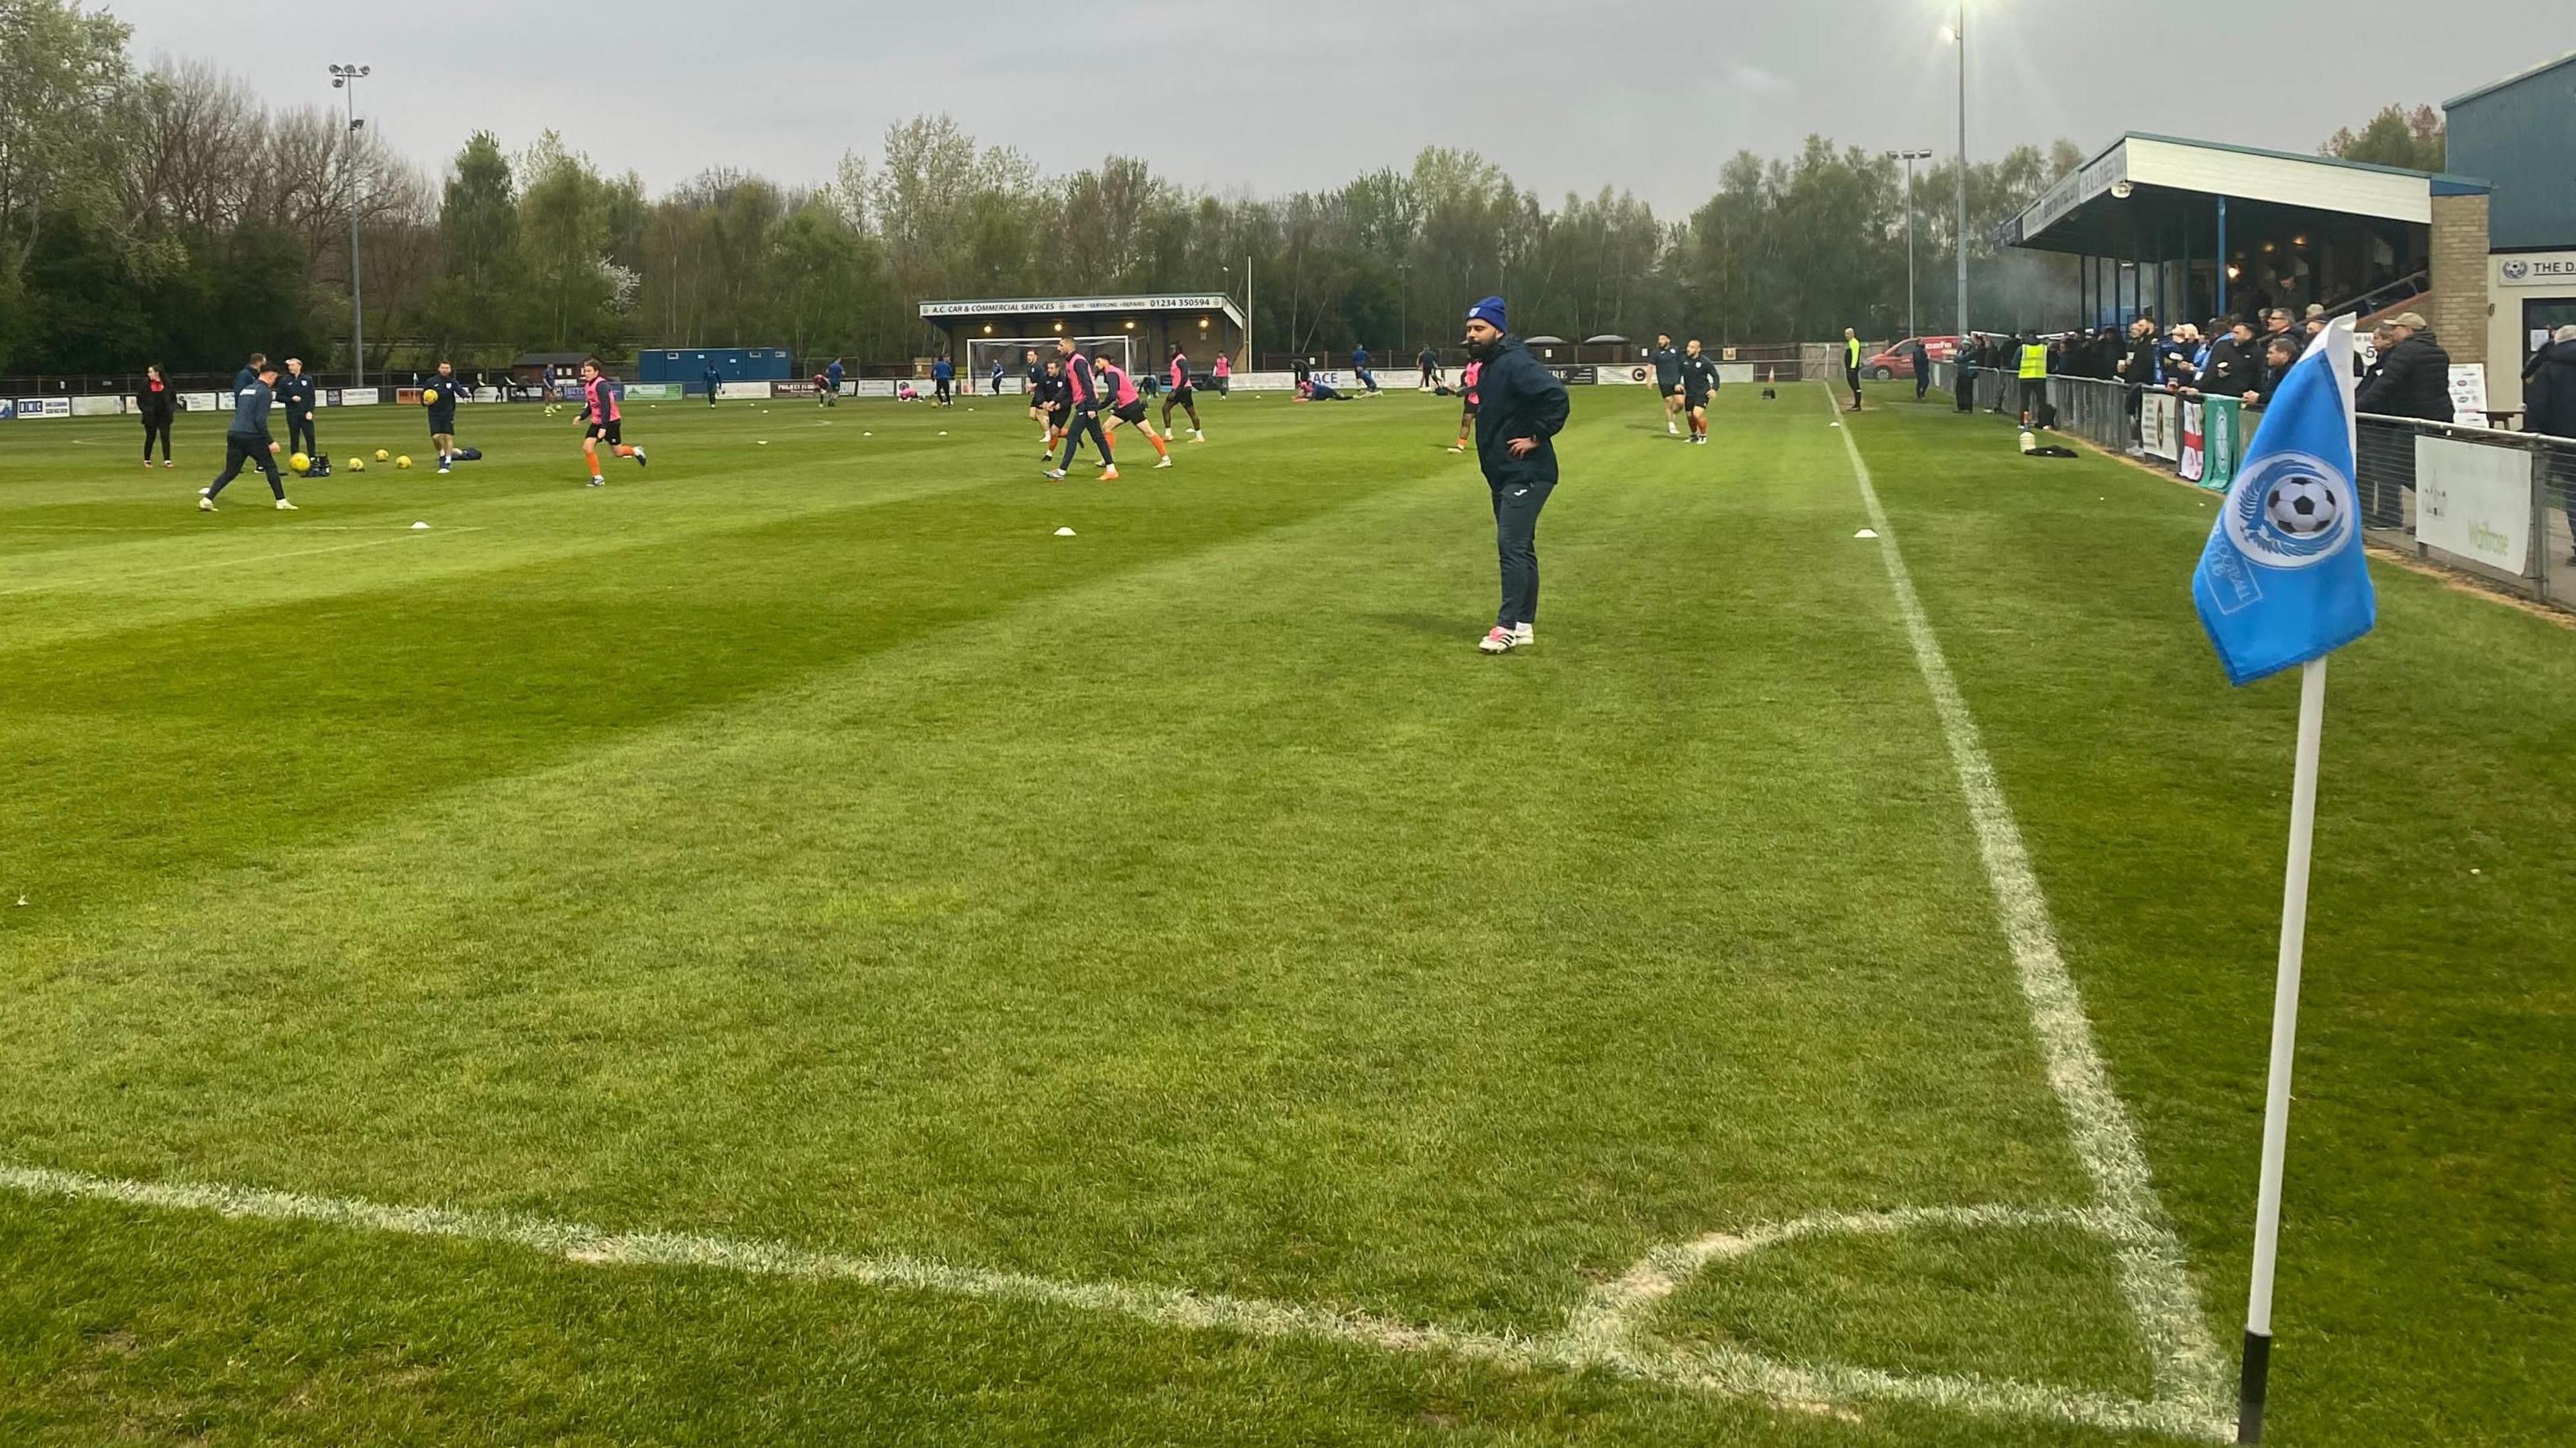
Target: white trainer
x=1523, y=636
x=204, y=503
x=284, y=506
x=1500, y=641
x=1165, y=463
x=1055, y=475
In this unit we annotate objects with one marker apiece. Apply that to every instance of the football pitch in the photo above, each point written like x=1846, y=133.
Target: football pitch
x=787, y=949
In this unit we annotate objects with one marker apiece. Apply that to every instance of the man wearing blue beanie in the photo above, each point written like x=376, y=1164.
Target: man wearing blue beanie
x=1520, y=408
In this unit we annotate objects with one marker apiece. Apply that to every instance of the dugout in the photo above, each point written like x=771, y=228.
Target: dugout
x=686, y=365
x=1140, y=330
x=2188, y=230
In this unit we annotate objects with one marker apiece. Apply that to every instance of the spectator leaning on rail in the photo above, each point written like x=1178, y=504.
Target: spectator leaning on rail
x=2235, y=363
x=2414, y=376
x=2549, y=403
x=2278, y=355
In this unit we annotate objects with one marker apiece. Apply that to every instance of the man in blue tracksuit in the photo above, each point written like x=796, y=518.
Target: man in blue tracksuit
x=1360, y=368
x=1521, y=406
x=943, y=381
x=247, y=440
x=832, y=376
x=715, y=383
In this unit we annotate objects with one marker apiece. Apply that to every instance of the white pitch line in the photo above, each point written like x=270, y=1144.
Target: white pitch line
x=1722, y=1371
x=2153, y=1273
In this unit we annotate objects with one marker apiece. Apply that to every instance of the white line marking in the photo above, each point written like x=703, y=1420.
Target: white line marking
x=2153, y=1273
x=1581, y=1345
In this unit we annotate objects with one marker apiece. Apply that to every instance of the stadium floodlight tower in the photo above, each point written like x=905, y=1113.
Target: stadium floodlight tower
x=1958, y=35
x=346, y=78
x=1909, y=158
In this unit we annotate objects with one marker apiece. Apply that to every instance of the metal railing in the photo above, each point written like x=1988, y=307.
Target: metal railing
x=2509, y=523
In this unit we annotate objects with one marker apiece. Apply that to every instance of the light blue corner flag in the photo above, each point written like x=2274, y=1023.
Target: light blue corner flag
x=2283, y=580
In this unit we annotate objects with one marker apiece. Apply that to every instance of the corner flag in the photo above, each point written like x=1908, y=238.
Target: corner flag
x=2283, y=579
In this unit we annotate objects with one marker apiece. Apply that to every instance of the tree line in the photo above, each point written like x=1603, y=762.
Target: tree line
x=164, y=214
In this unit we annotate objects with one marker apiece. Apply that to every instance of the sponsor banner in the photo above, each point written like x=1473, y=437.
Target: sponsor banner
x=490, y=394
x=1041, y=306
x=1264, y=382
x=641, y=391
x=871, y=387
x=406, y=397
x=792, y=389
x=8, y=408
x=734, y=391
x=2474, y=501
x=201, y=402
x=44, y=407
x=2190, y=465
x=1578, y=376
x=361, y=396
x=2222, y=429
x=108, y=406
x=2159, y=425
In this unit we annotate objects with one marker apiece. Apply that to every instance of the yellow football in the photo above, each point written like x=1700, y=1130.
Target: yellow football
x=298, y=461
x=429, y=395
x=383, y=456
x=404, y=461
x=357, y=465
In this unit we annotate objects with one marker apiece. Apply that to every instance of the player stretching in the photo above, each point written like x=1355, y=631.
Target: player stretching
x=1468, y=377
x=1126, y=405
x=1082, y=403
x=1697, y=383
x=1668, y=380
x=1182, y=396
x=604, y=422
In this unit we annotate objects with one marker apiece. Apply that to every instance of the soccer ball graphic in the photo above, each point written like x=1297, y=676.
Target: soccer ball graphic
x=2302, y=507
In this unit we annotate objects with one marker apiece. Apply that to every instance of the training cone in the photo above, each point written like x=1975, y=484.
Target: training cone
x=416, y=527
x=1064, y=532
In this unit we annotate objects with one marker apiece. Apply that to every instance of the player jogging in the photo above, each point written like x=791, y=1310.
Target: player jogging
x=1081, y=392
x=1472, y=374
x=1224, y=375
x=1430, y=363
x=1360, y=369
x=247, y=440
x=1668, y=380
x=1695, y=383
x=1126, y=405
x=602, y=421
x=1183, y=396
x=1040, y=395
x=1056, y=406
x=943, y=381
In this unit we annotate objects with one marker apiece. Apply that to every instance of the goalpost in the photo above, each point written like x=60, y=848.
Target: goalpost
x=1013, y=352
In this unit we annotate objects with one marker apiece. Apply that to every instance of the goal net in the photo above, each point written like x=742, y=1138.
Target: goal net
x=1013, y=352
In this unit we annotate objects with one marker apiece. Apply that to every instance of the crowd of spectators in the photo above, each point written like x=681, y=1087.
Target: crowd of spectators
x=2243, y=358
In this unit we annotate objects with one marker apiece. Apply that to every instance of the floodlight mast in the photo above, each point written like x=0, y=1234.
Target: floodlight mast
x=346, y=78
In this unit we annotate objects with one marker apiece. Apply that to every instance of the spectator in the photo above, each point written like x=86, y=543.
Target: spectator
x=2235, y=363
x=2278, y=355
x=1920, y=357
x=2383, y=339
x=2277, y=325
x=2549, y=402
x=2414, y=375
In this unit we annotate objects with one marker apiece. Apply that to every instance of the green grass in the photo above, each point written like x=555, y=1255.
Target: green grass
x=798, y=843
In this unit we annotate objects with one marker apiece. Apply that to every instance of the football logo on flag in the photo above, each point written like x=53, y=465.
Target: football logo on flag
x=2289, y=510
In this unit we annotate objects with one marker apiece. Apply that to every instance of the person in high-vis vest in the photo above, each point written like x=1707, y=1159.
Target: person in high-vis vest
x=2034, y=376
x=1851, y=365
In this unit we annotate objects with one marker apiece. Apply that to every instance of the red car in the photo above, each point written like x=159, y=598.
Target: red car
x=1898, y=360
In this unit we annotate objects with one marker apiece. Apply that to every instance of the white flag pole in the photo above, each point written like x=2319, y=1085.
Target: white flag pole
x=2285, y=1031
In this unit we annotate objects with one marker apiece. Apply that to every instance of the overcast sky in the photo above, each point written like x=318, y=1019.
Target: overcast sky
x=1646, y=95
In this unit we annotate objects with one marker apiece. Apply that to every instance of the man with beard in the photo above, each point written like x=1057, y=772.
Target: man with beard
x=1521, y=408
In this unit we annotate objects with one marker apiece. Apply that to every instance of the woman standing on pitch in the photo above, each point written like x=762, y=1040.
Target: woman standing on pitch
x=158, y=405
